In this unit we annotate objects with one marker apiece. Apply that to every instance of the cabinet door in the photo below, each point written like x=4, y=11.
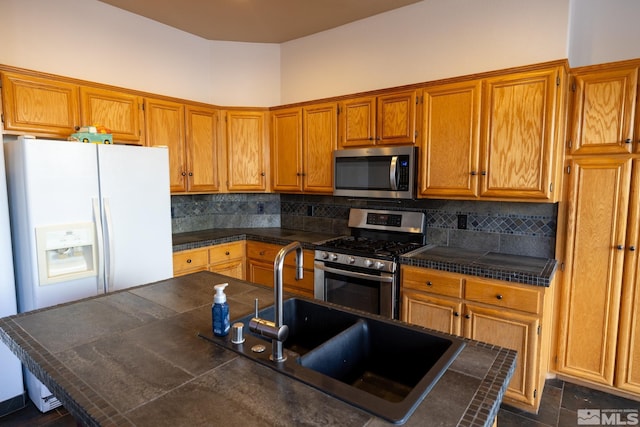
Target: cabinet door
x=590, y=297
x=233, y=269
x=518, y=135
x=396, y=118
x=202, y=149
x=604, y=103
x=358, y=122
x=320, y=138
x=117, y=111
x=246, y=151
x=449, y=152
x=164, y=123
x=39, y=106
x=514, y=331
x=628, y=366
x=440, y=314
x=286, y=149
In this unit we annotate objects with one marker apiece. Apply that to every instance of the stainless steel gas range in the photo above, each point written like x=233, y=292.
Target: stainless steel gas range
x=362, y=270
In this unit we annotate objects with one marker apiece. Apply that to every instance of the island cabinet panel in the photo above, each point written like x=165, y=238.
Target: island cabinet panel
x=286, y=150
x=39, y=106
x=451, y=137
x=604, y=101
x=378, y=120
x=589, y=306
x=247, y=151
x=260, y=259
x=507, y=314
x=201, y=149
x=320, y=138
x=120, y=112
x=164, y=123
x=519, y=135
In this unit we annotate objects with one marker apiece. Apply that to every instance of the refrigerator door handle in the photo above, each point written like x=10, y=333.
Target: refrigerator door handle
x=110, y=263
x=98, y=221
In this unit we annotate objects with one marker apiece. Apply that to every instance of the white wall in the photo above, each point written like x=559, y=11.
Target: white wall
x=425, y=41
x=91, y=40
x=603, y=31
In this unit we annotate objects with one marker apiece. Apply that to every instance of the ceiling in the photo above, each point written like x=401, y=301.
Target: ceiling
x=257, y=21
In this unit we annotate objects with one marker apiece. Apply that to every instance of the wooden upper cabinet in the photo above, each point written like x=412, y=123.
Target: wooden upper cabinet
x=39, y=106
x=119, y=112
x=518, y=145
x=320, y=138
x=450, y=147
x=382, y=120
x=603, y=110
x=286, y=150
x=164, y=126
x=396, y=122
x=247, y=151
x=358, y=122
x=202, y=149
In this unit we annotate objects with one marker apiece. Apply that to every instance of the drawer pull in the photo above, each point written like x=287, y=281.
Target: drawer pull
x=429, y=283
x=467, y=316
x=189, y=261
x=499, y=296
x=456, y=314
x=226, y=253
x=262, y=253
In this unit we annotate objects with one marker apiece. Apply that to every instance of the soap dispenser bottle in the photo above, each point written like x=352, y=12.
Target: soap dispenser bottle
x=220, y=311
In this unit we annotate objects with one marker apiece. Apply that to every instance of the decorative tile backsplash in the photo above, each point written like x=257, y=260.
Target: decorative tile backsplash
x=508, y=227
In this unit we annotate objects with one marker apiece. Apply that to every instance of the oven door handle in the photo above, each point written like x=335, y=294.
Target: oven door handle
x=384, y=277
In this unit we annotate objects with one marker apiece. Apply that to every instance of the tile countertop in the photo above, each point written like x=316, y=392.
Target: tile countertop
x=133, y=357
x=512, y=268
x=493, y=265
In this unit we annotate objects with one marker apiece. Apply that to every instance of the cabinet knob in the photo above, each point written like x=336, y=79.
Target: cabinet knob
x=262, y=174
x=226, y=253
x=261, y=253
x=627, y=141
x=456, y=314
x=484, y=173
x=189, y=261
x=190, y=173
x=620, y=247
x=632, y=248
x=499, y=296
x=474, y=173
x=184, y=174
x=429, y=283
x=467, y=316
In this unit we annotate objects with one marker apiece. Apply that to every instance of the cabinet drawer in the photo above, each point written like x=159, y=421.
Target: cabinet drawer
x=226, y=251
x=262, y=251
x=433, y=281
x=506, y=295
x=192, y=260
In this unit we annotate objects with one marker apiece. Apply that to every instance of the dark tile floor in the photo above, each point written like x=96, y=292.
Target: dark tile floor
x=559, y=408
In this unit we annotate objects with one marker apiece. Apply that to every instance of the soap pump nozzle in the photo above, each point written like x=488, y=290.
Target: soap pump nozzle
x=220, y=296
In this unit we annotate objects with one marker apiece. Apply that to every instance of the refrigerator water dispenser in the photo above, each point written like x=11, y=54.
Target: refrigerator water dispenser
x=66, y=252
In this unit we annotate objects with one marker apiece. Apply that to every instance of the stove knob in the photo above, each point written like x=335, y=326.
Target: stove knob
x=368, y=263
x=324, y=255
x=379, y=265
x=334, y=257
x=351, y=260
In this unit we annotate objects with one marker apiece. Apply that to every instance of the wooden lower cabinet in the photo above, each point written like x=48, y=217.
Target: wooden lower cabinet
x=260, y=258
x=493, y=311
x=225, y=258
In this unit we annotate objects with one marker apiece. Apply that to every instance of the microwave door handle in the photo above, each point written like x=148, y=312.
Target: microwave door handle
x=393, y=173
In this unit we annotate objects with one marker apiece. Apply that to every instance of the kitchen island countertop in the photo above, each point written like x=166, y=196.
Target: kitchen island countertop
x=133, y=357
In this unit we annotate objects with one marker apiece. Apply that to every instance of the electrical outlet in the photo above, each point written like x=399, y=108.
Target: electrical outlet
x=462, y=222
x=260, y=208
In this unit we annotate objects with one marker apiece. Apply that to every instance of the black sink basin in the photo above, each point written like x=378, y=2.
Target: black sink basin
x=382, y=366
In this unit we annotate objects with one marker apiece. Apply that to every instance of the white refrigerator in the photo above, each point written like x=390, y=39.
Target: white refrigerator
x=86, y=219
x=11, y=385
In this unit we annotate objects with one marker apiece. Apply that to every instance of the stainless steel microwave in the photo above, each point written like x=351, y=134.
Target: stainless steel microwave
x=382, y=172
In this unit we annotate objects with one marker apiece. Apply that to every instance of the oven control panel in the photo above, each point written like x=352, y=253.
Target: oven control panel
x=357, y=261
x=388, y=220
